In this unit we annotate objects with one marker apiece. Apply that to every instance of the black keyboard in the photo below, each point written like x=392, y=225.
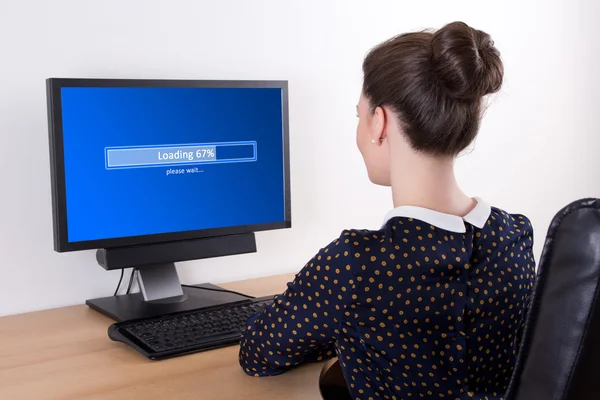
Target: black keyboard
x=188, y=332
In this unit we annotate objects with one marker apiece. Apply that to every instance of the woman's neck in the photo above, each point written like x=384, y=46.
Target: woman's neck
x=429, y=182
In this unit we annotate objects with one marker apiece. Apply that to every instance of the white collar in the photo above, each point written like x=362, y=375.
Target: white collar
x=453, y=223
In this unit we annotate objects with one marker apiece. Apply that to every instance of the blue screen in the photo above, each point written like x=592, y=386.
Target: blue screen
x=141, y=161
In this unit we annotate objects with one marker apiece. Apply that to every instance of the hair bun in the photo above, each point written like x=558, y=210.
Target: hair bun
x=466, y=61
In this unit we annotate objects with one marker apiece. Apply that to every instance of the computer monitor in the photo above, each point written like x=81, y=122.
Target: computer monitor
x=151, y=172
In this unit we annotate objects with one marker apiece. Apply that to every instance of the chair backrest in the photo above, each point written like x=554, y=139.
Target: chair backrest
x=560, y=348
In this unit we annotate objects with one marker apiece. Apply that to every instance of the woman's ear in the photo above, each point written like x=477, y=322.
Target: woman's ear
x=379, y=125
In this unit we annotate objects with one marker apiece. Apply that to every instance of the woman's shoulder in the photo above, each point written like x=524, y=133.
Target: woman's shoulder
x=365, y=234
x=515, y=222
x=359, y=239
x=354, y=244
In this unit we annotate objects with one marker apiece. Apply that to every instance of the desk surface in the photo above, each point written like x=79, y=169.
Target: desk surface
x=65, y=353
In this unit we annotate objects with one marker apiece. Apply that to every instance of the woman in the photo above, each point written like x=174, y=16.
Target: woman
x=431, y=305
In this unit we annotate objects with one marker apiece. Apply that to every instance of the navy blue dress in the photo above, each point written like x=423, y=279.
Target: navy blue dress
x=430, y=306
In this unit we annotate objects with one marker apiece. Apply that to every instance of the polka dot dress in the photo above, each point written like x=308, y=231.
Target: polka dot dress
x=411, y=311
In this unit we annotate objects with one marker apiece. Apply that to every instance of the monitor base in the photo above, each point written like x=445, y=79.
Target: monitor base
x=132, y=306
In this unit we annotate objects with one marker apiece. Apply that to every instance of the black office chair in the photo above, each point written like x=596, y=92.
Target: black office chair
x=560, y=351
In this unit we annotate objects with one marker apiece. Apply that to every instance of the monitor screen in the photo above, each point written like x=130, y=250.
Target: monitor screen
x=155, y=160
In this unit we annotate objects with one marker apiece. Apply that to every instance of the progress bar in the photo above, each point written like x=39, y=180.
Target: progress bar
x=179, y=154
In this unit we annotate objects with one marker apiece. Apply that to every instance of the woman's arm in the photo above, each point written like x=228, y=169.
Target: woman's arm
x=302, y=323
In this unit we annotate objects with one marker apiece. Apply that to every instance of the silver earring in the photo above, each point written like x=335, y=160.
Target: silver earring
x=373, y=141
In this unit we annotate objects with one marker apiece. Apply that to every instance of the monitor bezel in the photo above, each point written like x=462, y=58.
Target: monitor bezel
x=57, y=172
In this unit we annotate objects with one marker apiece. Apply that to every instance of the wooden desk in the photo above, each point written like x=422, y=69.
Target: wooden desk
x=65, y=353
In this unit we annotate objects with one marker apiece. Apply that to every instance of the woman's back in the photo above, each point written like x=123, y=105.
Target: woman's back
x=441, y=316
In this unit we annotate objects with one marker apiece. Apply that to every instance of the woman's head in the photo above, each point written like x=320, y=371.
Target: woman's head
x=428, y=86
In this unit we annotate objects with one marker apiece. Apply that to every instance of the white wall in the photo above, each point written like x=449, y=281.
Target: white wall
x=536, y=150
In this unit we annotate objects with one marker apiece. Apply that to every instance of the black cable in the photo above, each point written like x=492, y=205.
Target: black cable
x=133, y=272
x=220, y=290
x=120, y=280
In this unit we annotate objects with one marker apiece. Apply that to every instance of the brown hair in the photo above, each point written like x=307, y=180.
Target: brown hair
x=435, y=83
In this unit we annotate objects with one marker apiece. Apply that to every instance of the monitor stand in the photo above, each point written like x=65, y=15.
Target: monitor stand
x=160, y=293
